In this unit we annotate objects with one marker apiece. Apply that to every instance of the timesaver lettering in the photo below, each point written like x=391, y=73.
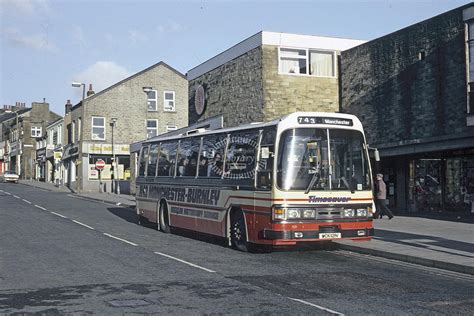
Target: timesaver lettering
x=315, y=199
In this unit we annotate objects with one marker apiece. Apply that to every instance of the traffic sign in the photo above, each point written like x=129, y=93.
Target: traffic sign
x=99, y=164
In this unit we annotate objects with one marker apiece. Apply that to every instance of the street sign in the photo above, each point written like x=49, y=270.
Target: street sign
x=99, y=164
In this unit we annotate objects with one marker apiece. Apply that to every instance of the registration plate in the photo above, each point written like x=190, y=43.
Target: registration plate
x=329, y=235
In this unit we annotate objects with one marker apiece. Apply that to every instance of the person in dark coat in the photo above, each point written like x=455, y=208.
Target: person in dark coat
x=380, y=197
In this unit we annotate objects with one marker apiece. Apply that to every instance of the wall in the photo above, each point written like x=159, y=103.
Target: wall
x=284, y=94
x=403, y=98
x=234, y=90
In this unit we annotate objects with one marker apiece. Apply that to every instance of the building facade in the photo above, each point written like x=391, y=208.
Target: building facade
x=412, y=91
x=49, y=150
x=103, y=125
x=266, y=76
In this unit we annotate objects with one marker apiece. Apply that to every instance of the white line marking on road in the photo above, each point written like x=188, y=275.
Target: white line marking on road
x=1, y=190
x=40, y=207
x=26, y=201
x=317, y=306
x=57, y=214
x=126, y=241
x=185, y=262
x=16, y=196
x=8, y=193
x=77, y=222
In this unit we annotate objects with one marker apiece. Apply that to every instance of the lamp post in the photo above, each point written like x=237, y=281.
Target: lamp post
x=17, y=138
x=114, y=175
x=147, y=90
x=78, y=85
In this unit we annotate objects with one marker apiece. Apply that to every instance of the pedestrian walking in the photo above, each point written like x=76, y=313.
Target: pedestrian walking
x=380, y=197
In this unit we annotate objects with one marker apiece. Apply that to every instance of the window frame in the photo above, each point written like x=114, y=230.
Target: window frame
x=147, y=128
x=165, y=101
x=306, y=57
x=35, y=130
x=148, y=99
x=92, y=129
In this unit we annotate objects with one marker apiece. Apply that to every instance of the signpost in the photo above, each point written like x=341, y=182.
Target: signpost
x=99, y=165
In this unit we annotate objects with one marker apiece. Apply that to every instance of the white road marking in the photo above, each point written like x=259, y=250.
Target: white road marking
x=57, y=214
x=185, y=262
x=16, y=196
x=126, y=241
x=40, y=207
x=317, y=306
x=26, y=201
x=77, y=222
x=8, y=193
x=1, y=190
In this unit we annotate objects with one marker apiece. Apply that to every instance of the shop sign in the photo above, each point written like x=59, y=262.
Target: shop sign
x=57, y=155
x=199, y=100
x=107, y=149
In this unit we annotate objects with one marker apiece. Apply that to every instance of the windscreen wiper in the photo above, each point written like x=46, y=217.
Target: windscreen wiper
x=314, y=181
x=347, y=184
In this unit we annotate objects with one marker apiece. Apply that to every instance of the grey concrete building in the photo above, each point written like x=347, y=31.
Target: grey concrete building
x=412, y=90
x=103, y=125
x=266, y=76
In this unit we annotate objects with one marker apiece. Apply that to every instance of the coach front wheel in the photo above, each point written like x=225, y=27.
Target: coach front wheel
x=164, y=221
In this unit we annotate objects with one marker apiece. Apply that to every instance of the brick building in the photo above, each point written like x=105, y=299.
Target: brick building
x=410, y=89
x=103, y=125
x=266, y=76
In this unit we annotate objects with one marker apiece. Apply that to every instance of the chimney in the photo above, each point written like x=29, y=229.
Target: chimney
x=90, y=91
x=68, y=106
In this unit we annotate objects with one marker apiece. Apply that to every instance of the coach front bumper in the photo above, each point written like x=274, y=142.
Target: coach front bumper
x=315, y=234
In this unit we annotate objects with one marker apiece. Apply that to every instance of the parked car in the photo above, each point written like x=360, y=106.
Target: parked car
x=9, y=176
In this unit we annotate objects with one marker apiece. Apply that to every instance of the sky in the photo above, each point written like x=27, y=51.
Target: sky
x=46, y=45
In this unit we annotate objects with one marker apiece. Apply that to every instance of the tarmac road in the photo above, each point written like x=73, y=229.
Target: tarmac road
x=60, y=254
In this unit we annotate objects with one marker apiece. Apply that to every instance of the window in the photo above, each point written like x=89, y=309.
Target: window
x=266, y=158
x=151, y=128
x=60, y=136
x=211, y=161
x=36, y=131
x=241, y=155
x=98, y=128
x=167, y=159
x=187, y=157
x=73, y=131
x=142, y=163
x=152, y=104
x=170, y=128
x=470, y=65
x=169, y=101
x=79, y=127
x=152, y=160
x=307, y=62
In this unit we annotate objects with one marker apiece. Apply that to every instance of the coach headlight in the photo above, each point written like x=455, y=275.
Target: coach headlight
x=309, y=214
x=348, y=212
x=293, y=214
x=361, y=212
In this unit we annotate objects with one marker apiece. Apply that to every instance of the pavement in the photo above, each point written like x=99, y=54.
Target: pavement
x=446, y=243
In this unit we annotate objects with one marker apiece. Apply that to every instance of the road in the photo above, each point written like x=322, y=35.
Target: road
x=60, y=254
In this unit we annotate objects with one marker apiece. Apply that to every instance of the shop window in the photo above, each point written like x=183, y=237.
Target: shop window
x=169, y=101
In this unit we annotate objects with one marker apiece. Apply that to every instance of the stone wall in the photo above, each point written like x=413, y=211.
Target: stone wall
x=409, y=85
x=284, y=93
x=233, y=90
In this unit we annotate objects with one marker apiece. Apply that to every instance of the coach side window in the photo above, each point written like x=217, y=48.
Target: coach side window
x=211, y=160
x=167, y=159
x=143, y=159
x=266, y=158
x=241, y=155
x=188, y=157
x=152, y=160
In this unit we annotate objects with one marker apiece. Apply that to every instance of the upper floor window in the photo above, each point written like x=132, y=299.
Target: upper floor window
x=307, y=62
x=170, y=128
x=169, y=101
x=36, y=131
x=98, y=128
x=151, y=128
x=152, y=98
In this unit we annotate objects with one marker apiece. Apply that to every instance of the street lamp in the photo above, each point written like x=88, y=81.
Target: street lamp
x=147, y=90
x=17, y=138
x=78, y=85
x=115, y=183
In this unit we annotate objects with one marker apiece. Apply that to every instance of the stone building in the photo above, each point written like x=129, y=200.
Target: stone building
x=20, y=131
x=411, y=89
x=266, y=76
x=103, y=125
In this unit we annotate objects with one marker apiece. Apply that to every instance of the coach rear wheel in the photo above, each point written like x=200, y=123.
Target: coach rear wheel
x=238, y=233
x=164, y=221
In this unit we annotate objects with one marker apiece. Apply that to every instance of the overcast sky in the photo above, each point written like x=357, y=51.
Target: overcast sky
x=47, y=44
